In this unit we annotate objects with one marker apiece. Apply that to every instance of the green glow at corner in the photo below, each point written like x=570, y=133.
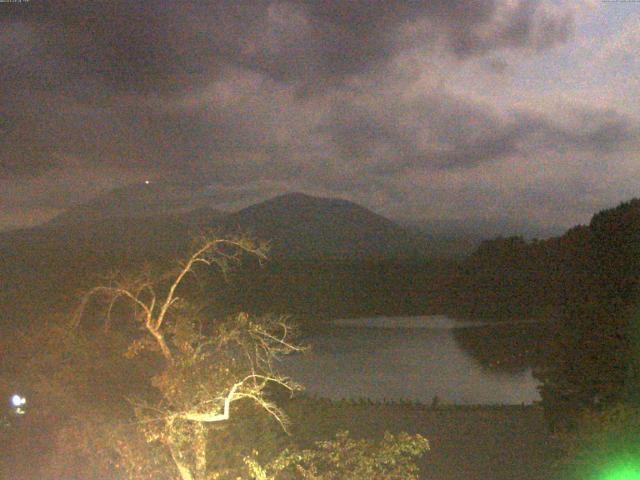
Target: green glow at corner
x=622, y=472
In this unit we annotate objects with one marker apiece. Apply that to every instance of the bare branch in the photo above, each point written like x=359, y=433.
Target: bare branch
x=236, y=393
x=203, y=375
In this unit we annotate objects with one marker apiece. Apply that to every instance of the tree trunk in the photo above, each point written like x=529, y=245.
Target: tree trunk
x=200, y=450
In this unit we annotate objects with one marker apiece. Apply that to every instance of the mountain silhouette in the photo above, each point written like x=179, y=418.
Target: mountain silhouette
x=299, y=225
x=161, y=219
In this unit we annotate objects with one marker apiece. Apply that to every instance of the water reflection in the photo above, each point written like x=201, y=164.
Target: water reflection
x=405, y=359
x=506, y=347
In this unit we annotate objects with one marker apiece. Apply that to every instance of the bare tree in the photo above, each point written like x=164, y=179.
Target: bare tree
x=201, y=374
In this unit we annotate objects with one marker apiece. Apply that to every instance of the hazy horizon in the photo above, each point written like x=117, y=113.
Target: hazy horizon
x=202, y=197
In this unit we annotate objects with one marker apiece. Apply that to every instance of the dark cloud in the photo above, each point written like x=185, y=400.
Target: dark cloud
x=91, y=49
x=587, y=131
x=496, y=65
x=269, y=95
x=531, y=24
x=463, y=135
x=22, y=151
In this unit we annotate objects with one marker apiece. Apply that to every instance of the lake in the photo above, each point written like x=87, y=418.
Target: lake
x=404, y=358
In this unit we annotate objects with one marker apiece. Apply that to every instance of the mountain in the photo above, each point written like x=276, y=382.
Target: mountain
x=313, y=239
x=156, y=235
x=459, y=238
x=140, y=200
x=156, y=221
x=480, y=229
x=300, y=225
x=162, y=215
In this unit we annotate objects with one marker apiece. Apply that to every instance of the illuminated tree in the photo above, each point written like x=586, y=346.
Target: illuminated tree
x=203, y=366
x=184, y=372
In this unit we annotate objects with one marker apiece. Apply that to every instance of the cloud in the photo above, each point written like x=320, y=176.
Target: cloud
x=442, y=131
x=340, y=98
x=91, y=50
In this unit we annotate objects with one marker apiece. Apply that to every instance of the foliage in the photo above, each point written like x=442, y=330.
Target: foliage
x=184, y=375
x=74, y=385
x=341, y=288
x=345, y=458
x=203, y=367
x=587, y=282
x=589, y=364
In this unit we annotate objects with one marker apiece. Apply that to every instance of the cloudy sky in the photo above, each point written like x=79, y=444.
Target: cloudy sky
x=517, y=110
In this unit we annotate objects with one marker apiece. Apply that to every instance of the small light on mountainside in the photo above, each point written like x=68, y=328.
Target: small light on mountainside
x=18, y=402
x=147, y=182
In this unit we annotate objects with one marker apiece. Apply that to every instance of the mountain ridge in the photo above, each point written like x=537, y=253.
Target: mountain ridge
x=306, y=225
x=297, y=225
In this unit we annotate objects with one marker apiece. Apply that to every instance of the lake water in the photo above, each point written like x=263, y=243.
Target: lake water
x=403, y=358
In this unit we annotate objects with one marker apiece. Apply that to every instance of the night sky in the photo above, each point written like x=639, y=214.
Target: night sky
x=503, y=110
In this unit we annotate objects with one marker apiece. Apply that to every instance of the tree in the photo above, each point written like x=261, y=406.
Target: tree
x=201, y=368
x=593, y=362
x=344, y=458
x=184, y=373
x=74, y=383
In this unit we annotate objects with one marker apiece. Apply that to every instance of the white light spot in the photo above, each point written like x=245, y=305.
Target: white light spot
x=147, y=182
x=18, y=401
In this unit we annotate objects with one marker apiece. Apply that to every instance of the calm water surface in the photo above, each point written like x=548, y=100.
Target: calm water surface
x=403, y=358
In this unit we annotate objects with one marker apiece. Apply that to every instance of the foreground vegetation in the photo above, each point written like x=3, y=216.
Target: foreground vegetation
x=188, y=380
x=588, y=360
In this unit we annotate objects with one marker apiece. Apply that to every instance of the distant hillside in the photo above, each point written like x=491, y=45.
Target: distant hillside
x=509, y=277
x=123, y=229
x=156, y=219
x=300, y=226
x=138, y=200
x=161, y=216
x=154, y=235
x=460, y=238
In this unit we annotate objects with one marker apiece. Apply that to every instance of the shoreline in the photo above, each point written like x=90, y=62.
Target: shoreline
x=474, y=442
